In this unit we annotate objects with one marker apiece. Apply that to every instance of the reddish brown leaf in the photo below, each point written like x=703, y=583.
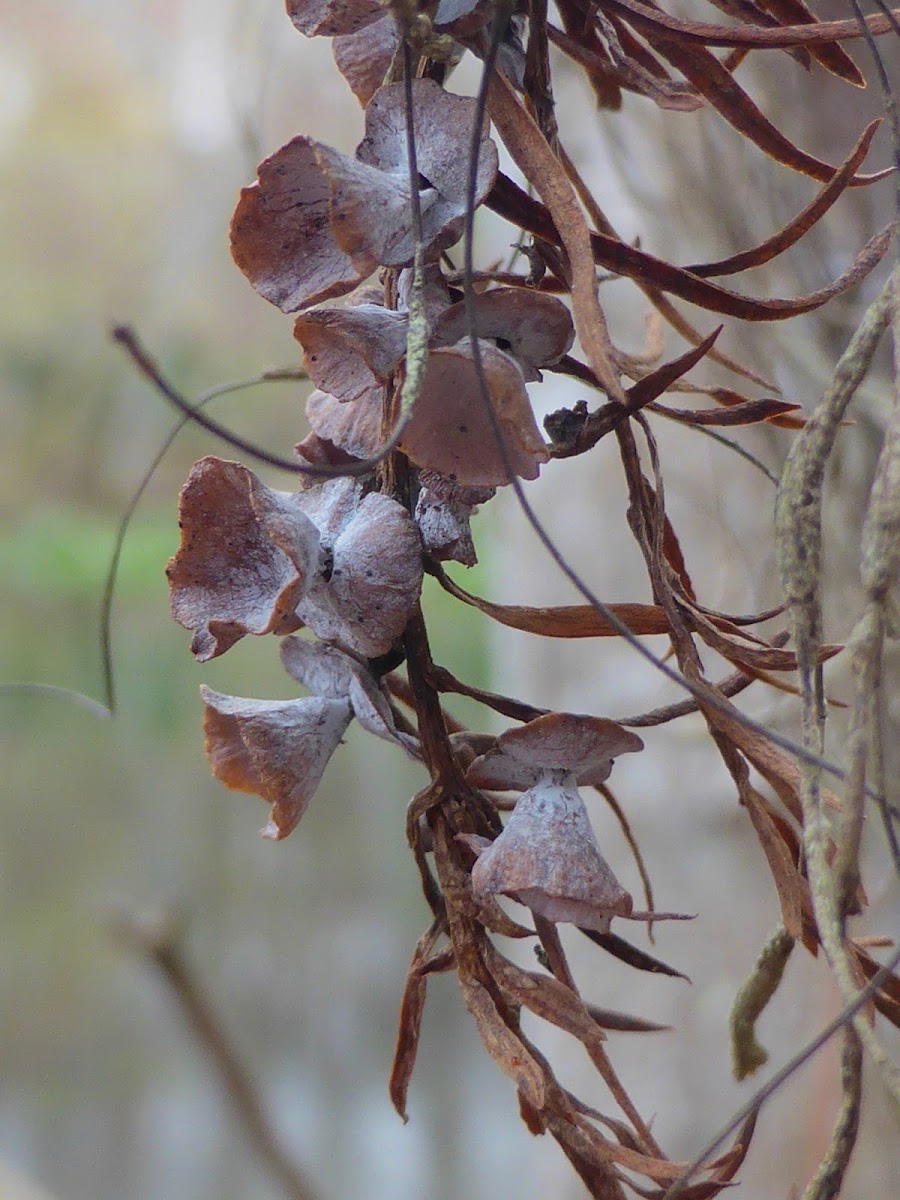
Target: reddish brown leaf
x=788, y=882
x=779, y=771
x=745, y=649
x=564, y=621
x=717, y=84
x=606, y=88
x=663, y=377
x=508, y=1051
x=645, y=16
x=512, y=202
x=410, y=1021
x=751, y=13
x=586, y=1151
x=830, y=56
x=626, y=953
x=531, y=1117
x=619, y=1022
x=746, y=412
x=675, y=557
x=629, y=73
x=493, y=917
x=533, y=155
x=412, y=1006
x=801, y=224
x=724, y=1168
x=730, y=399
x=598, y=424
x=545, y=996
x=887, y=998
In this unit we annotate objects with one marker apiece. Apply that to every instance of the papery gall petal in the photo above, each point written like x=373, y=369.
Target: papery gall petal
x=370, y=195
x=547, y=858
x=348, y=351
x=326, y=18
x=275, y=749
x=353, y=428
x=449, y=431
x=281, y=235
x=322, y=453
x=369, y=212
x=583, y=746
x=444, y=529
x=322, y=669
x=326, y=671
x=317, y=221
x=443, y=511
x=363, y=58
x=365, y=601
x=534, y=328
x=246, y=556
x=443, y=132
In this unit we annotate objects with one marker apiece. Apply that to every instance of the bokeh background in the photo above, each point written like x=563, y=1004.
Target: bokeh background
x=125, y=134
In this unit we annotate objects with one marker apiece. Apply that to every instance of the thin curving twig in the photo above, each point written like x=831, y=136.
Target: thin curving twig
x=758, y=1099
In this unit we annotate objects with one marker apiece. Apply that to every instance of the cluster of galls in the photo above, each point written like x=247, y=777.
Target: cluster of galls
x=337, y=556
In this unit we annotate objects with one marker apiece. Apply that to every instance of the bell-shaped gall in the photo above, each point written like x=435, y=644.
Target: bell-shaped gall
x=327, y=671
x=276, y=749
x=353, y=428
x=325, y=18
x=536, y=329
x=317, y=222
x=547, y=858
x=247, y=555
x=348, y=351
x=364, y=57
x=373, y=575
x=281, y=236
x=443, y=123
x=443, y=511
x=576, y=745
x=450, y=432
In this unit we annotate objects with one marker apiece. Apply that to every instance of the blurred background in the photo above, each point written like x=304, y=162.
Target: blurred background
x=125, y=134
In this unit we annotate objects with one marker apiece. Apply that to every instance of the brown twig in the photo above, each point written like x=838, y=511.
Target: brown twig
x=157, y=943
